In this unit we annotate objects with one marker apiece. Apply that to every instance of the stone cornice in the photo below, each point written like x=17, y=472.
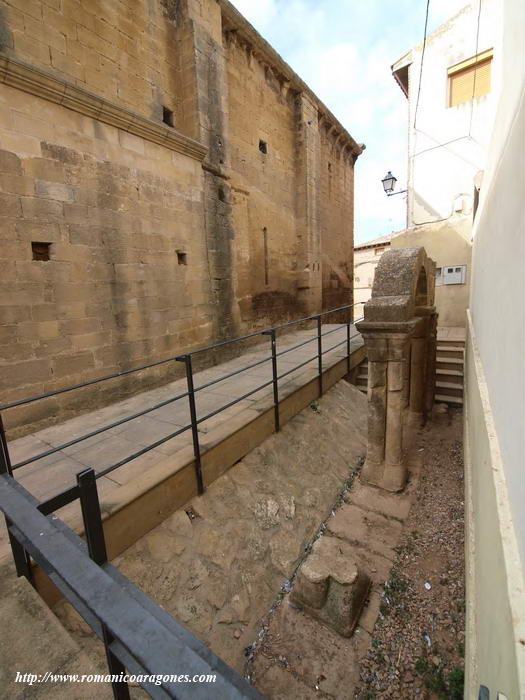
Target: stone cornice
x=36, y=82
x=233, y=21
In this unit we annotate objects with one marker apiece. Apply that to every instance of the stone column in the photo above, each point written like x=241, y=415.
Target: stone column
x=406, y=376
x=377, y=368
x=387, y=353
x=398, y=320
x=418, y=358
x=394, y=474
x=430, y=383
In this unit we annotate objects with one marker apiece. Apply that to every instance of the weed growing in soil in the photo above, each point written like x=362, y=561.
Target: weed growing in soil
x=448, y=687
x=393, y=589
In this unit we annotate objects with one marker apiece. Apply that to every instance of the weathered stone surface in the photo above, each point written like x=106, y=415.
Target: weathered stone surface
x=370, y=498
x=285, y=551
x=278, y=683
x=299, y=652
x=330, y=586
x=366, y=529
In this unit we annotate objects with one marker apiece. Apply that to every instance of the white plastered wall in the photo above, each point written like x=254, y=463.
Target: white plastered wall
x=495, y=395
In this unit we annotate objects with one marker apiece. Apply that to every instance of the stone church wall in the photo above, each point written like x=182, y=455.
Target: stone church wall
x=132, y=139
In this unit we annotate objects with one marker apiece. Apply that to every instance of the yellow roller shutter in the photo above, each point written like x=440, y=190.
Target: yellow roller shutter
x=468, y=81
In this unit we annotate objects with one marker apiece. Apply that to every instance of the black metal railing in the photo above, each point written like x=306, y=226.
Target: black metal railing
x=73, y=492
x=115, y=612
x=139, y=637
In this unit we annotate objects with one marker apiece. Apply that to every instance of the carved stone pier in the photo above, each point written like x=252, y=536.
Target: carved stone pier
x=399, y=330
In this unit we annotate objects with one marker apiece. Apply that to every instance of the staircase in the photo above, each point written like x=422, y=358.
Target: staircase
x=449, y=371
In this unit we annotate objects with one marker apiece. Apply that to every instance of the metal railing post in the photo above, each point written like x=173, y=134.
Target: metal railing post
x=320, y=355
x=277, y=419
x=20, y=556
x=193, y=415
x=348, y=341
x=90, y=506
x=92, y=517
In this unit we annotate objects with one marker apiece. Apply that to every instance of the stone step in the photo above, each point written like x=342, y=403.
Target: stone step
x=449, y=363
x=441, y=398
x=362, y=381
x=450, y=351
x=362, y=387
x=444, y=341
x=449, y=389
x=450, y=375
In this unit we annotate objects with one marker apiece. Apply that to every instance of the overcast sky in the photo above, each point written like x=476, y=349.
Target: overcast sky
x=343, y=50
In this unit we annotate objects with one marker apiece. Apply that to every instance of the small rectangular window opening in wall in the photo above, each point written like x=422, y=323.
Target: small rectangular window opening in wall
x=182, y=258
x=263, y=147
x=266, y=262
x=41, y=251
x=167, y=116
x=451, y=275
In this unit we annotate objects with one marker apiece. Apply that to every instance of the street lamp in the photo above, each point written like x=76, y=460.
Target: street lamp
x=389, y=182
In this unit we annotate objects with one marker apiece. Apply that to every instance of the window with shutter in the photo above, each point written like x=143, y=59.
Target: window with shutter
x=469, y=79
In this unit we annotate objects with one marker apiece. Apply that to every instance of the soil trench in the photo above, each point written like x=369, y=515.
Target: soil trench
x=417, y=646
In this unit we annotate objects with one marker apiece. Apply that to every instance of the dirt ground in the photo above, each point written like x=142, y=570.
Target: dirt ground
x=417, y=646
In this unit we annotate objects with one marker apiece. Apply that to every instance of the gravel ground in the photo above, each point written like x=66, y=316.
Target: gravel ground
x=418, y=643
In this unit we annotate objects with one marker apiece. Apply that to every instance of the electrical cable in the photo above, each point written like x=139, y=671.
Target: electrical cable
x=475, y=70
x=469, y=136
x=421, y=65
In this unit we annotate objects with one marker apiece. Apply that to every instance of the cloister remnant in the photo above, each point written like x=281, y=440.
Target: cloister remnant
x=399, y=330
x=330, y=586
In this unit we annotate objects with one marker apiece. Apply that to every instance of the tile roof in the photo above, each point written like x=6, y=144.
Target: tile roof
x=374, y=242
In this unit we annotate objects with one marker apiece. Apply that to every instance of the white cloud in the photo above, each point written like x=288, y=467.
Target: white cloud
x=258, y=12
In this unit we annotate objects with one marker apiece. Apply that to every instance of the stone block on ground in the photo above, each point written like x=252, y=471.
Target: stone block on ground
x=392, y=505
x=373, y=531
x=330, y=586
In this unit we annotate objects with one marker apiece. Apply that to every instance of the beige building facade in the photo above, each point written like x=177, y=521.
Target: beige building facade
x=452, y=82
x=166, y=181
x=366, y=257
